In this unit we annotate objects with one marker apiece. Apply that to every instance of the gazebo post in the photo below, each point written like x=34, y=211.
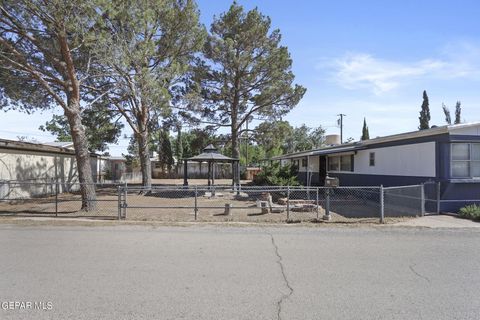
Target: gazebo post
x=237, y=177
x=213, y=173
x=233, y=173
x=185, y=173
x=209, y=170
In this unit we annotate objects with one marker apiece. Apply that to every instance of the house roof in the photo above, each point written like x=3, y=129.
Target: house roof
x=61, y=144
x=38, y=147
x=348, y=147
x=118, y=158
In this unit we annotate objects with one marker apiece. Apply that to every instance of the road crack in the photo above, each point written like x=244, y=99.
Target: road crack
x=284, y=296
x=418, y=274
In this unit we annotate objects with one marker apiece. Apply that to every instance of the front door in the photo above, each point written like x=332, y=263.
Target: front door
x=322, y=170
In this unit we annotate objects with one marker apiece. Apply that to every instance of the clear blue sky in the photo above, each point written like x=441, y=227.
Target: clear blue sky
x=367, y=59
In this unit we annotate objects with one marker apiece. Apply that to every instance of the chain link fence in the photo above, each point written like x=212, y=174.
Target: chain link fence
x=56, y=199
x=404, y=201
x=219, y=203
x=441, y=197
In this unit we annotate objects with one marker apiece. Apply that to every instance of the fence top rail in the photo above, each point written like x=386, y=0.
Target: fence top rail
x=240, y=189
x=403, y=187
x=49, y=183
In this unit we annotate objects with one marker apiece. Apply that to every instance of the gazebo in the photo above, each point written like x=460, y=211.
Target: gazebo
x=210, y=155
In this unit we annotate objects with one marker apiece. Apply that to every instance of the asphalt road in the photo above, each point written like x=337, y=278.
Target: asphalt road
x=208, y=272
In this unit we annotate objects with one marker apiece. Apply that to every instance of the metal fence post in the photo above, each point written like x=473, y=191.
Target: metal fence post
x=125, y=190
x=56, y=199
x=422, y=197
x=196, y=204
x=438, y=196
x=119, y=195
x=327, y=204
x=288, y=203
x=318, y=210
x=382, y=205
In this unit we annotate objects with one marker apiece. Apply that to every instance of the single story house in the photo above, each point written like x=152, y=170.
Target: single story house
x=446, y=154
x=40, y=163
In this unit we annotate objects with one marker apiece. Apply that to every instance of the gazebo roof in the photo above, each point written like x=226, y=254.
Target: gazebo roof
x=210, y=153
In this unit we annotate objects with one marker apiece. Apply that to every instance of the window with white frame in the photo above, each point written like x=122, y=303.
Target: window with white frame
x=340, y=163
x=465, y=160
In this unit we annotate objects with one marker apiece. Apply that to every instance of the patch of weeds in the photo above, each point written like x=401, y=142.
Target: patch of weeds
x=471, y=212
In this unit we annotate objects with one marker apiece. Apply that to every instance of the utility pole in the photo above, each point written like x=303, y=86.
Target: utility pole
x=340, y=122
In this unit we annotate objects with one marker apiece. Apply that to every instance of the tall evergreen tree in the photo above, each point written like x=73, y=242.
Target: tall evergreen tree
x=424, y=113
x=165, y=154
x=365, y=133
x=45, y=61
x=245, y=72
x=152, y=43
x=458, y=113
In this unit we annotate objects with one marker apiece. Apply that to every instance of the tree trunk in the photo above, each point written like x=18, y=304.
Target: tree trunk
x=80, y=143
x=144, y=153
x=179, y=144
x=235, y=153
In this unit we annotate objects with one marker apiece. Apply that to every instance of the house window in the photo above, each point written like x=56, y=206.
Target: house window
x=346, y=163
x=465, y=160
x=340, y=163
x=333, y=163
x=304, y=162
x=372, y=159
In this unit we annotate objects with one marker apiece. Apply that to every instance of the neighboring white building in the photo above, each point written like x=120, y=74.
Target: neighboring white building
x=35, y=162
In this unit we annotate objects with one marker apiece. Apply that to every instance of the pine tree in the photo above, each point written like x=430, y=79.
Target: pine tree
x=365, y=133
x=150, y=45
x=424, y=113
x=44, y=57
x=458, y=113
x=246, y=71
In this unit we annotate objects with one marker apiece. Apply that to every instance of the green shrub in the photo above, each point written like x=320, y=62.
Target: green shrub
x=277, y=175
x=471, y=212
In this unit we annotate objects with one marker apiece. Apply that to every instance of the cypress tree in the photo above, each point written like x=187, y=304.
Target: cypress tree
x=424, y=113
x=365, y=133
x=458, y=113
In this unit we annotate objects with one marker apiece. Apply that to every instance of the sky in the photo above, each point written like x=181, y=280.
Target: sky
x=369, y=59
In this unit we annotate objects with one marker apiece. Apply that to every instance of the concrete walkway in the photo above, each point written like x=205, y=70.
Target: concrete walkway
x=440, y=221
